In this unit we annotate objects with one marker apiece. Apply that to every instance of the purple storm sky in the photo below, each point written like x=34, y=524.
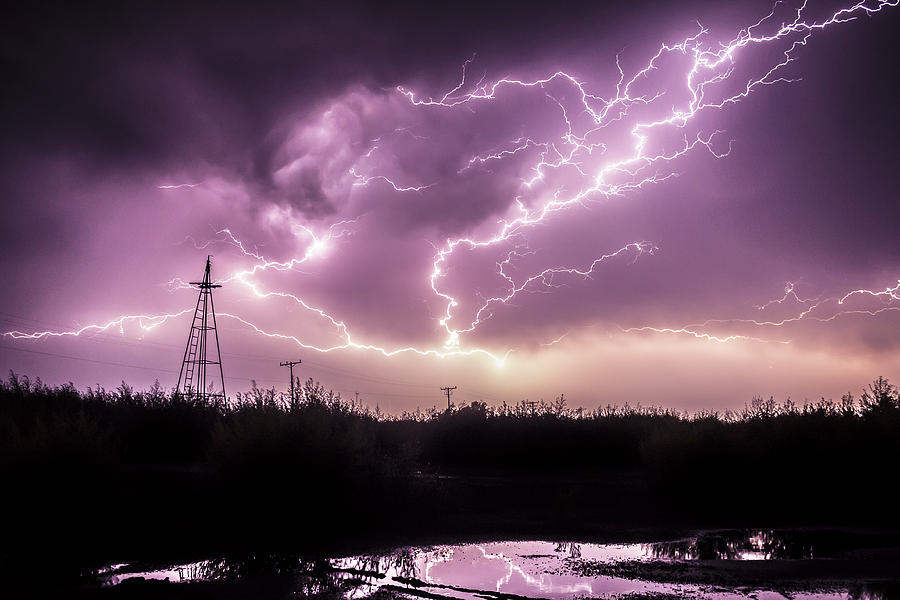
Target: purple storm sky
x=683, y=204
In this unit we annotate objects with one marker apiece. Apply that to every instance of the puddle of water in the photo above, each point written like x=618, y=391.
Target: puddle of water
x=532, y=569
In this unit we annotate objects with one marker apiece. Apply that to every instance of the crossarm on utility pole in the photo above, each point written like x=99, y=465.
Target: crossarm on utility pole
x=448, y=390
x=290, y=364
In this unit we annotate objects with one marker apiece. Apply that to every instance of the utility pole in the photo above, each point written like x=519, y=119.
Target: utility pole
x=448, y=390
x=357, y=398
x=290, y=364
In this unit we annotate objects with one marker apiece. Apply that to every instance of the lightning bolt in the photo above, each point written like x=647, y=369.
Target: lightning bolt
x=815, y=309
x=145, y=322
x=363, y=180
x=178, y=186
x=789, y=293
x=601, y=170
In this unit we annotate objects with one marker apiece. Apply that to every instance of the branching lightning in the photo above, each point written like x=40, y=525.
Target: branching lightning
x=145, y=322
x=600, y=169
x=362, y=180
x=822, y=310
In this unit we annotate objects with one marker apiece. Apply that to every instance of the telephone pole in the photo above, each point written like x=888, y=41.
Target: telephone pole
x=290, y=364
x=448, y=390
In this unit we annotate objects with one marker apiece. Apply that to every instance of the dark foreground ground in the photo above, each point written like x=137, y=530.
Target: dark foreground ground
x=102, y=477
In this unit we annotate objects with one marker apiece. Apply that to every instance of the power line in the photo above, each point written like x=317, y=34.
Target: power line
x=91, y=360
x=161, y=370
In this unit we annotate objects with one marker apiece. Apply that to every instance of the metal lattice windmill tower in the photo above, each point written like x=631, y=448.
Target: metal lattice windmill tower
x=192, y=380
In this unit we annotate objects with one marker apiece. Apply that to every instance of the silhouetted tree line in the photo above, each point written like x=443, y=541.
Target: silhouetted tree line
x=131, y=470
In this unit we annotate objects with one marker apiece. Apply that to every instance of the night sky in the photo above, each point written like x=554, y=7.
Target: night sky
x=517, y=200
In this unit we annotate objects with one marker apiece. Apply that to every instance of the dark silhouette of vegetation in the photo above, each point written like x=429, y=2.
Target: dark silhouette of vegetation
x=101, y=474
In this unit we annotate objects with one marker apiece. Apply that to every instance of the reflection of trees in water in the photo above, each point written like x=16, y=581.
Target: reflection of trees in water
x=570, y=548
x=360, y=576
x=195, y=571
x=310, y=576
x=254, y=565
x=872, y=591
x=401, y=563
x=734, y=545
x=781, y=545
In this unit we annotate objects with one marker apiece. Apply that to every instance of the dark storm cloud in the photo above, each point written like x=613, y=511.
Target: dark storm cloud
x=170, y=85
x=166, y=82
x=188, y=87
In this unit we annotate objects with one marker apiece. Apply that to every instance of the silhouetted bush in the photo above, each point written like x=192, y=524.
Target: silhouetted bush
x=161, y=466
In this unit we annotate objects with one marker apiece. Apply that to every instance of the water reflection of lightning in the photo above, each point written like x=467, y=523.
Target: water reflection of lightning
x=598, y=168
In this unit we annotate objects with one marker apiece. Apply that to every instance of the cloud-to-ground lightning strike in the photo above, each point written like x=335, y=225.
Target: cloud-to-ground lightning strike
x=599, y=168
